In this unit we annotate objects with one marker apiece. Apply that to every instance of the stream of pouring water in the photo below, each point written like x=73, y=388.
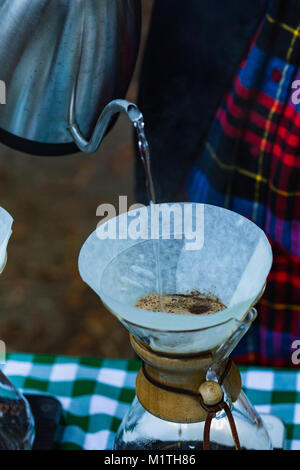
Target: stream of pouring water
x=144, y=154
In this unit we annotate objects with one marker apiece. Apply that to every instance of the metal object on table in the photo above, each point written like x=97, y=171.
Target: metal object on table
x=48, y=48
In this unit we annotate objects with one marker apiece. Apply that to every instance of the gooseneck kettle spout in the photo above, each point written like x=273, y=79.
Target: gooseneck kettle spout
x=112, y=108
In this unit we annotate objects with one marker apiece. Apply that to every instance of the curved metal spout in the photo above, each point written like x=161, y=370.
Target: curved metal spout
x=112, y=108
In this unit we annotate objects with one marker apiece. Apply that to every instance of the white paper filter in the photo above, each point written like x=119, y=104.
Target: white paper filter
x=232, y=264
x=6, y=221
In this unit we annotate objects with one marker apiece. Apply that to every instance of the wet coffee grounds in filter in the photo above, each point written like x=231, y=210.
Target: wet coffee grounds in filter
x=194, y=303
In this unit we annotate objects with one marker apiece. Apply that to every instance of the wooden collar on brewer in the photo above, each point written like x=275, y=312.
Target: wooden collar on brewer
x=175, y=389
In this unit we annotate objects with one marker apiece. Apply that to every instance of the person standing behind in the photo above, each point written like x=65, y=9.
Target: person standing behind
x=223, y=124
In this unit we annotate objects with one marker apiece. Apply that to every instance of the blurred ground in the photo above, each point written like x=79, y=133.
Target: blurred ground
x=45, y=307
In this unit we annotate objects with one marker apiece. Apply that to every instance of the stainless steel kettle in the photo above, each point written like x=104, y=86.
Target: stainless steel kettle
x=61, y=54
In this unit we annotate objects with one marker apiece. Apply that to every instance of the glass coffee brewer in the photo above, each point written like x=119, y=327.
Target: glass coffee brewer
x=16, y=420
x=188, y=392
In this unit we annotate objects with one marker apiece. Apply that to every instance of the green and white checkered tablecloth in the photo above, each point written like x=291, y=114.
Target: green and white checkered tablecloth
x=95, y=394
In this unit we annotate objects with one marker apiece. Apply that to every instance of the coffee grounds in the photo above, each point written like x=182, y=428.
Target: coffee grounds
x=195, y=303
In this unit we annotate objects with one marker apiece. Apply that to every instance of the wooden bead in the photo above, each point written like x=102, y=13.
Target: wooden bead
x=211, y=392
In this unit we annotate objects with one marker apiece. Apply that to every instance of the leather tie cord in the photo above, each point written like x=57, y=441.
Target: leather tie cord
x=211, y=409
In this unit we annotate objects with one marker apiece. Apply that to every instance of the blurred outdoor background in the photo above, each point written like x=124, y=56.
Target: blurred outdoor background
x=45, y=306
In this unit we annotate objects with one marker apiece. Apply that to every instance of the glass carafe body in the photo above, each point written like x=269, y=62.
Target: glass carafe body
x=16, y=420
x=141, y=430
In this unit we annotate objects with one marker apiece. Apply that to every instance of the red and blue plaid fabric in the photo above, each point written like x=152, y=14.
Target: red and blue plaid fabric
x=250, y=163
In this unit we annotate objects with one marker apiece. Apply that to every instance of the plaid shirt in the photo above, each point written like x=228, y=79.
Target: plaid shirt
x=250, y=163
